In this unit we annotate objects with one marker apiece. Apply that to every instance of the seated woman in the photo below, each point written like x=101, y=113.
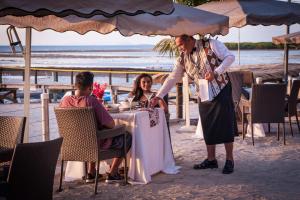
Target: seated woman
x=142, y=86
x=83, y=98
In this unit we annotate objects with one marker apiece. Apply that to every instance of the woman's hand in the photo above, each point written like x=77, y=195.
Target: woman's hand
x=209, y=76
x=154, y=101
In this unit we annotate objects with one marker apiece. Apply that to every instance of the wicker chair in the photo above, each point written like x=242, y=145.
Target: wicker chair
x=236, y=79
x=79, y=129
x=292, y=101
x=11, y=133
x=248, y=78
x=32, y=170
x=266, y=105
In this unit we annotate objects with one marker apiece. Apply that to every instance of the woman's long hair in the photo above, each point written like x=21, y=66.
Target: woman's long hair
x=137, y=90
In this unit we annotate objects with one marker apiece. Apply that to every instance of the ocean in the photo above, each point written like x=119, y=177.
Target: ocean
x=135, y=56
x=129, y=56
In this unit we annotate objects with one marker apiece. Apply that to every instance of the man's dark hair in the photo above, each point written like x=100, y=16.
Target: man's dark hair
x=84, y=80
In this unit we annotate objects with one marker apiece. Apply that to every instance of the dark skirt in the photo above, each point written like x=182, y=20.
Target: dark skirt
x=218, y=118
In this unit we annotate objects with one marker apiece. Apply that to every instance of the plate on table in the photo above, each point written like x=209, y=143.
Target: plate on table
x=123, y=108
x=113, y=108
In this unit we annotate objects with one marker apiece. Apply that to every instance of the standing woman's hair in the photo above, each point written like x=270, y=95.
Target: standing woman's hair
x=137, y=90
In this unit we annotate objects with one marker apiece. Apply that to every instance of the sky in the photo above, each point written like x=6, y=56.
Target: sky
x=49, y=37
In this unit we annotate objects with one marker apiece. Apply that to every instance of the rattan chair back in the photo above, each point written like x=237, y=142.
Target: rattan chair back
x=248, y=78
x=79, y=129
x=268, y=103
x=11, y=133
x=292, y=101
x=236, y=79
x=11, y=130
x=31, y=175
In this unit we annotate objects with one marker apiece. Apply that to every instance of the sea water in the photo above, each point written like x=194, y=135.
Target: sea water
x=127, y=56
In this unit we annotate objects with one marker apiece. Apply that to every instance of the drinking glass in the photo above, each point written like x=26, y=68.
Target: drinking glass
x=148, y=96
x=130, y=98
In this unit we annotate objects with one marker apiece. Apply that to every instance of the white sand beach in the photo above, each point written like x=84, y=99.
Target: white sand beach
x=268, y=170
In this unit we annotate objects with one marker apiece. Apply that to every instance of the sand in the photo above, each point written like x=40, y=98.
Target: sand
x=268, y=170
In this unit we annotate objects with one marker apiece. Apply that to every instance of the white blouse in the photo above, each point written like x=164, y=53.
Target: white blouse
x=176, y=75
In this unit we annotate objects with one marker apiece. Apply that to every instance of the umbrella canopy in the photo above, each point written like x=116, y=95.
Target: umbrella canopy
x=184, y=20
x=178, y=23
x=86, y=8
x=255, y=12
x=293, y=38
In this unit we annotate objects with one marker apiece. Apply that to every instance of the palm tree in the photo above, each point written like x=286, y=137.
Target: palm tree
x=167, y=46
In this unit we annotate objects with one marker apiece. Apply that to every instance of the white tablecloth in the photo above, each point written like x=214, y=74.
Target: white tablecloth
x=150, y=151
x=199, y=130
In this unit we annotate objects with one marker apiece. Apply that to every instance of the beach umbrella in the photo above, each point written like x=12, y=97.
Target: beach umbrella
x=287, y=39
x=292, y=38
x=257, y=12
x=183, y=20
x=86, y=8
x=63, y=8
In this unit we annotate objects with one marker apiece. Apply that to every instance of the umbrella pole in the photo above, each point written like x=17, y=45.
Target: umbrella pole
x=286, y=56
x=239, y=40
x=186, y=100
x=27, y=82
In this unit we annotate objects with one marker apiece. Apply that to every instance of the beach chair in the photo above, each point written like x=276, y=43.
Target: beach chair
x=11, y=133
x=266, y=105
x=79, y=129
x=292, y=101
x=32, y=170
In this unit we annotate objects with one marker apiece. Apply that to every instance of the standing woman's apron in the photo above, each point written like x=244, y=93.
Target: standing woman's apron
x=217, y=116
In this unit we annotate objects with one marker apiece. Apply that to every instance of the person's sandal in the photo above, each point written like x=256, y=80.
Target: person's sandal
x=206, y=164
x=228, y=167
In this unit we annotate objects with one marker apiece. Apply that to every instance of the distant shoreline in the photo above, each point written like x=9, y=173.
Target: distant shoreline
x=257, y=46
x=141, y=48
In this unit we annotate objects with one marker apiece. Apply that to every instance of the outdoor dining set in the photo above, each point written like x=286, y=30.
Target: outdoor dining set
x=266, y=103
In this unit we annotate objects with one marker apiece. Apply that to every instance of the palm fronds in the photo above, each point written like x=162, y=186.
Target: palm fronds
x=167, y=46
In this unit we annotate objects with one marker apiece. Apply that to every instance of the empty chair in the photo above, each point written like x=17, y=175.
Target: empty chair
x=292, y=101
x=79, y=129
x=236, y=79
x=266, y=105
x=11, y=133
x=248, y=78
x=32, y=170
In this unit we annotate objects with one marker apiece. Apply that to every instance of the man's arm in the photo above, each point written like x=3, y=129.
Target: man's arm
x=222, y=53
x=172, y=79
x=110, y=124
x=103, y=118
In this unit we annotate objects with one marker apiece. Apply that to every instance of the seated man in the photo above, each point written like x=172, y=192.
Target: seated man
x=83, y=98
